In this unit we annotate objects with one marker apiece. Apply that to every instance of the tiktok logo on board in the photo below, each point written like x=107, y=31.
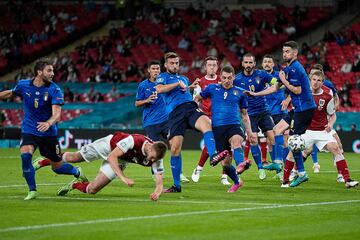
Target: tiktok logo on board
x=66, y=141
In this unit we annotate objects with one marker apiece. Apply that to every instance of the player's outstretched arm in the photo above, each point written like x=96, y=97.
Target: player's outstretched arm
x=161, y=88
x=294, y=89
x=113, y=161
x=6, y=94
x=55, y=117
x=158, y=187
x=149, y=100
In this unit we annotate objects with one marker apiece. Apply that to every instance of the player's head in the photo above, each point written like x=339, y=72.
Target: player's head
x=316, y=67
x=172, y=64
x=156, y=151
x=290, y=51
x=211, y=65
x=153, y=69
x=268, y=63
x=316, y=80
x=227, y=75
x=248, y=62
x=44, y=69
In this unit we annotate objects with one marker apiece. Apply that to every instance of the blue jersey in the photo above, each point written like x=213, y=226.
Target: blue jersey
x=155, y=112
x=176, y=96
x=296, y=75
x=274, y=100
x=256, y=82
x=226, y=104
x=38, y=103
x=330, y=85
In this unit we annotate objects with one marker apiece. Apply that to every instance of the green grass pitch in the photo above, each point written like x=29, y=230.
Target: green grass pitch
x=318, y=209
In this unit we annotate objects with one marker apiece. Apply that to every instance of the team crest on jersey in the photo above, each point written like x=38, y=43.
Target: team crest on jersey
x=160, y=80
x=46, y=96
x=236, y=92
x=321, y=103
x=37, y=93
x=257, y=79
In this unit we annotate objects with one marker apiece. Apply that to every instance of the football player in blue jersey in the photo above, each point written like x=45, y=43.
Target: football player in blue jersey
x=227, y=99
x=255, y=80
x=155, y=117
x=183, y=114
x=278, y=108
x=42, y=101
x=296, y=81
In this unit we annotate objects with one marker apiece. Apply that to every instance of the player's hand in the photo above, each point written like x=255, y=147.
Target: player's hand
x=128, y=181
x=284, y=105
x=155, y=196
x=250, y=94
x=182, y=86
x=43, y=126
x=195, y=83
x=282, y=76
x=328, y=128
x=152, y=98
x=252, y=137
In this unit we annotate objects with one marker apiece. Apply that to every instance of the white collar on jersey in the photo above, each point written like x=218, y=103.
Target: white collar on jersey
x=143, y=147
x=211, y=79
x=319, y=93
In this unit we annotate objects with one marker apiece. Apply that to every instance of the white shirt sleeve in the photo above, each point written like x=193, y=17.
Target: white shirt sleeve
x=158, y=167
x=126, y=144
x=330, y=108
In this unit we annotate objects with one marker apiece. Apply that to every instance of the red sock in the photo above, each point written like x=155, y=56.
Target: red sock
x=263, y=147
x=81, y=186
x=287, y=169
x=247, y=150
x=343, y=168
x=44, y=162
x=203, y=157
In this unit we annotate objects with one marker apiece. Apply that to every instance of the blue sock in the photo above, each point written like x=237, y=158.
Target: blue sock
x=67, y=169
x=299, y=161
x=231, y=172
x=210, y=142
x=285, y=153
x=238, y=155
x=176, y=164
x=314, y=154
x=279, y=146
x=255, y=152
x=28, y=170
x=272, y=153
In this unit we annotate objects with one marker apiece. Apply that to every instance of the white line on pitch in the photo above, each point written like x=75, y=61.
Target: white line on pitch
x=125, y=219
x=24, y=185
x=142, y=200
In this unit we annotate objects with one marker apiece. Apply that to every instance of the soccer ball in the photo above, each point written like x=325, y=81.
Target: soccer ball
x=296, y=143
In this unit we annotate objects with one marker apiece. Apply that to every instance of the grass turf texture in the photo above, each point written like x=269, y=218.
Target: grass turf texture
x=318, y=209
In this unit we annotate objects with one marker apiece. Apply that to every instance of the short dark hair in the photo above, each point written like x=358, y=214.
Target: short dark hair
x=291, y=44
x=170, y=55
x=317, y=66
x=248, y=55
x=153, y=62
x=41, y=64
x=228, y=69
x=269, y=56
x=160, y=149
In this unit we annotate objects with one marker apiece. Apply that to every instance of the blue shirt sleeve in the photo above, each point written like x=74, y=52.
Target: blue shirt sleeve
x=140, y=94
x=206, y=93
x=161, y=79
x=268, y=77
x=330, y=85
x=57, y=97
x=17, y=90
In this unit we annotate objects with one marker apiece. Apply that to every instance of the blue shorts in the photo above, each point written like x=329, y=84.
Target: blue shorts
x=278, y=117
x=262, y=121
x=183, y=117
x=222, y=135
x=48, y=146
x=289, y=116
x=157, y=131
x=301, y=121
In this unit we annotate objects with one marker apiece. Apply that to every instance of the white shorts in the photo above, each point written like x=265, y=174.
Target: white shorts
x=107, y=170
x=319, y=138
x=99, y=149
